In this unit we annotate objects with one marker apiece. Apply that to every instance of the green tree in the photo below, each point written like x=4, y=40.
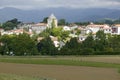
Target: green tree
x=19, y=44
x=71, y=47
x=65, y=35
x=62, y=22
x=88, y=42
x=101, y=41
x=56, y=31
x=46, y=47
x=45, y=20
x=24, y=45
x=14, y=21
x=11, y=24
x=46, y=33
x=8, y=26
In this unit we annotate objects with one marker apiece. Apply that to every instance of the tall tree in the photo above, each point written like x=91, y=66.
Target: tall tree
x=89, y=42
x=46, y=47
x=101, y=41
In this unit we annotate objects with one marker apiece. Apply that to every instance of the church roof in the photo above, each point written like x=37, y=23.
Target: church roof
x=52, y=16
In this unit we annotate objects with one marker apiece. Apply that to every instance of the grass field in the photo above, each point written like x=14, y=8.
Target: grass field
x=70, y=61
x=63, y=67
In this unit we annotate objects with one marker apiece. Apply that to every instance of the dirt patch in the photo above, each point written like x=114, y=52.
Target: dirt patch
x=61, y=72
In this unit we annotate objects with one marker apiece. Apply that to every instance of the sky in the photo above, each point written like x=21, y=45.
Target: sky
x=42, y=4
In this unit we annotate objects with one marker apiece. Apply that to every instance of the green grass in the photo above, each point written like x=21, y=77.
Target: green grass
x=17, y=77
x=119, y=70
x=48, y=61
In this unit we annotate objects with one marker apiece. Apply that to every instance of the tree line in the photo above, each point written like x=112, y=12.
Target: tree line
x=23, y=44
x=18, y=45
x=100, y=44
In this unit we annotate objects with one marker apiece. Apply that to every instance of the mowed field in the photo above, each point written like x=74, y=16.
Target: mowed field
x=34, y=66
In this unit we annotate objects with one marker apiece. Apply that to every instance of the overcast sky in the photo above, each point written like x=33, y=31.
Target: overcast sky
x=41, y=4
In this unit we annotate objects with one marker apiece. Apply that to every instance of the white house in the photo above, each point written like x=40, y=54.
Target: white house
x=116, y=29
x=56, y=43
x=52, y=20
x=38, y=28
x=66, y=28
x=25, y=25
x=73, y=27
x=10, y=32
x=82, y=37
x=95, y=28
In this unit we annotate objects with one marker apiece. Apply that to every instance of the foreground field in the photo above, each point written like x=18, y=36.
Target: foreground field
x=63, y=67
x=16, y=77
x=60, y=72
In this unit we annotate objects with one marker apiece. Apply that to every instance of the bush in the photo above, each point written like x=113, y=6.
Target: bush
x=87, y=51
x=107, y=53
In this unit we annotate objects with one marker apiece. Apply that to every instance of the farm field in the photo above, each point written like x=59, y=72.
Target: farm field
x=60, y=72
x=63, y=68
x=19, y=77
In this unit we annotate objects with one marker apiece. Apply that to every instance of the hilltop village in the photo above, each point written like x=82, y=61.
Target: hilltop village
x=61, y=35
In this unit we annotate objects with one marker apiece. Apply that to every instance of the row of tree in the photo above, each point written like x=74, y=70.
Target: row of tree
x=21, y=44
x=10, y=24
x=101, y=44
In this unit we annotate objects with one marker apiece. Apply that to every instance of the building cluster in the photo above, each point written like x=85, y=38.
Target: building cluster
x=31, y=28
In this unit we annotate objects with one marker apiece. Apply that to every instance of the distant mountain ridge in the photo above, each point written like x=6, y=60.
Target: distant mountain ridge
x=71, y=15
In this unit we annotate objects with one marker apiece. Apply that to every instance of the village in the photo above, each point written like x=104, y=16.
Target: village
x=59, y=39
x=84, y=31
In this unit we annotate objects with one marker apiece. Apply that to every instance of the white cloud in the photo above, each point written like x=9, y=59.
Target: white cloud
x=41, y=4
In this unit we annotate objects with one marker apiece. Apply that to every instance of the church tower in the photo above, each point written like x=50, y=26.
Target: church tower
x=52, y=21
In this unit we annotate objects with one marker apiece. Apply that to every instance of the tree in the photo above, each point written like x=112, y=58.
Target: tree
x=11, y=24
x=45, y=20
x=100, y=35
x=46, y=33
x=62, y=22
x=19, y=45
x=57, y=32
x=73, y=43
x=24, y=45
x=46, y=47
x=14, y=21
x=88, y=42
x=71, y=47
x=64, y=35
x=100, y=41
x=6, y=41
x=8, y=26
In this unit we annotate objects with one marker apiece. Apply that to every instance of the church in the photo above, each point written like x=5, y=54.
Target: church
x=52, y=21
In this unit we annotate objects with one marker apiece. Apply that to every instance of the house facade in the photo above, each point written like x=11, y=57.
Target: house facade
x=95, y=28
x=116, y=29
x=11, y=32
x=38, y=28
